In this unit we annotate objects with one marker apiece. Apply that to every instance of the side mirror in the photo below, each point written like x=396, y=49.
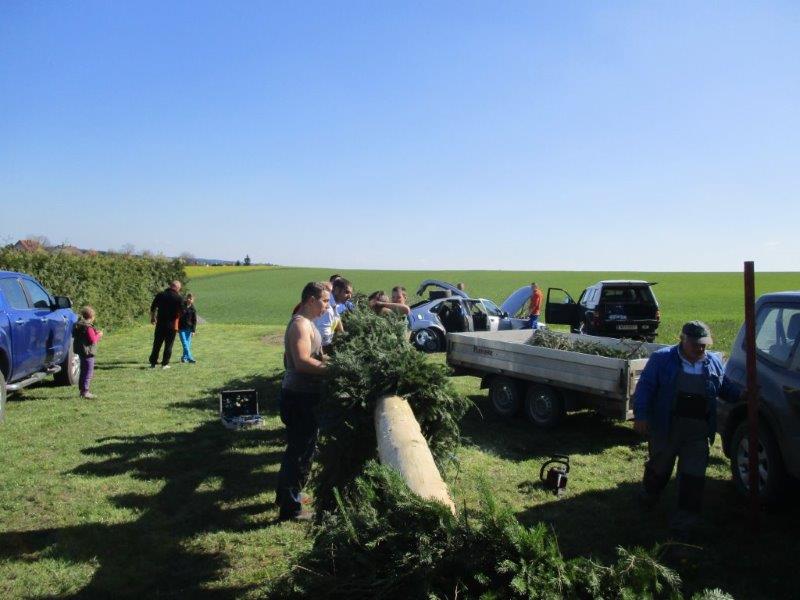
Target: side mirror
x=61, y=302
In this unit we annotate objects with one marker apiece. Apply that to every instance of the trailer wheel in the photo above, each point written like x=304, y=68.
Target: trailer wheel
x=504, y=392
x=544, y=406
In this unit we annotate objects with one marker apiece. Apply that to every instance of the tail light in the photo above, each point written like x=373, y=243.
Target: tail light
x=597, y=320
x=658, y=315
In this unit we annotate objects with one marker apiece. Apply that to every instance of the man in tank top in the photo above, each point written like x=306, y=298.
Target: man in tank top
x=300, y=392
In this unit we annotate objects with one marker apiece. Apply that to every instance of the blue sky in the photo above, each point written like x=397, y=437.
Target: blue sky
x=441, y=135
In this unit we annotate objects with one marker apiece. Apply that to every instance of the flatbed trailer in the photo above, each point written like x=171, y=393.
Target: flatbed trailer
x=545, y=382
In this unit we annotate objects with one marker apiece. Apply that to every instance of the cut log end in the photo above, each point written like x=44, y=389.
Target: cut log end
x=402, y=447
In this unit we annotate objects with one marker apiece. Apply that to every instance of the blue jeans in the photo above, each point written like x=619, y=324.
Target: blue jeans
x=186, y=342
x=534, y=320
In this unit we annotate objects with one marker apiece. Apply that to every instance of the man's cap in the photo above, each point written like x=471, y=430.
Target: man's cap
x=697, y=332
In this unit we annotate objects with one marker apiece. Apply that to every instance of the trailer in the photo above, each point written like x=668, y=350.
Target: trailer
x=544, y=382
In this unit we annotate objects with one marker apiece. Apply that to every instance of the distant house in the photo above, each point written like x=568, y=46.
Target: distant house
x=28, y=246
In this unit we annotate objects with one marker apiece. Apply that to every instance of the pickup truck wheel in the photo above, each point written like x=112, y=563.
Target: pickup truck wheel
x=544, y=406
x=771, y=472
x=504, y=393
x=70, y=369
x=2, y=397
x=427, y=340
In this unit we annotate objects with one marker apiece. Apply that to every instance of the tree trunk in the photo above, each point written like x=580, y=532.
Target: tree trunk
x=402, y=447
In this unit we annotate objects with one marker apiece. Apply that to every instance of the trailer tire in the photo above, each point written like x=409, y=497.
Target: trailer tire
x=505, y=395
x=544, y=406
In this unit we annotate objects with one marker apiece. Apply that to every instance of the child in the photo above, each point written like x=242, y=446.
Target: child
x=84, y=343
x=187, y=326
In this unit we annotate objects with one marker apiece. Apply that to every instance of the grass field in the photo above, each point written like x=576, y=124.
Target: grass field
x=267, y=295
x=199, y=272
x=143, y=493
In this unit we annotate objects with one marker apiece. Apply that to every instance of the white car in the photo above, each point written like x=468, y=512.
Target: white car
x=449, y=310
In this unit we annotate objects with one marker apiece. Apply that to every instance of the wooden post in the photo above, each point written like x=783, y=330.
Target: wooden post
x=752, y=391
x=402, y=447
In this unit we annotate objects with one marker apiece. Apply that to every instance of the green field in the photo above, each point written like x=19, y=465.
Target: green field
x=266, y=296
x=199, y=272
x=142, y=492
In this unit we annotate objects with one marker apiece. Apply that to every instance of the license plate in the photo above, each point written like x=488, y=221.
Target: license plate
x=626, y=327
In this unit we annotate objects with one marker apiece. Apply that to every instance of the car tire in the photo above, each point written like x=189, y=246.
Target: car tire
x=544, y=406
x=70, y=368
x=505, y=395
x=772, y=474
x=2, y=397
x=427, y=340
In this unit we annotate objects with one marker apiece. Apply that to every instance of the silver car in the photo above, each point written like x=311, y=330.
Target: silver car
x=449, y=309
x=778, y=371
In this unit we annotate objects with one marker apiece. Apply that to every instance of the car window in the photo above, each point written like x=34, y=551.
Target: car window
x=777, y=331
x=492, y=308
x=39, y=297
x=475, y=307
x=622, y=294
x=13, y=294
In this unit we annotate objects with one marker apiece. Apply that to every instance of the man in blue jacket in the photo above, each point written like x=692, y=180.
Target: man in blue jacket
x=674, y=406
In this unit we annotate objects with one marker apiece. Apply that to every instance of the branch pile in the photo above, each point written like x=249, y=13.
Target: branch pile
x=547, y=338
x=385, y=542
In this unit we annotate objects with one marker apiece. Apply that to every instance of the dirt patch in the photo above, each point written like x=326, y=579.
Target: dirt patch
x=273, y=339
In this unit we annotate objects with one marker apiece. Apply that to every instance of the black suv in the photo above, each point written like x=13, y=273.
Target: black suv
x=612, y=308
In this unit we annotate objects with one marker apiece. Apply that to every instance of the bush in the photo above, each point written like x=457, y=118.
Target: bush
x=383, y=541
x=119, y=287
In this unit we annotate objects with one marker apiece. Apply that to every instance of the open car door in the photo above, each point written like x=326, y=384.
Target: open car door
x=560, y=308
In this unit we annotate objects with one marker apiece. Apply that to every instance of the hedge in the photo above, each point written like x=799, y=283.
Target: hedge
x=119, y=287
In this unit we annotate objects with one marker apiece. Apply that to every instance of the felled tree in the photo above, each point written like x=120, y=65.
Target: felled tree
x=371, y=359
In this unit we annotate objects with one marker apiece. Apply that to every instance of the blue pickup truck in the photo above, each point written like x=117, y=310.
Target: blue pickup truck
x=35, y=335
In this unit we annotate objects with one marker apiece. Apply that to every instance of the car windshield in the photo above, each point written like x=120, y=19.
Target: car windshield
x=777, y=331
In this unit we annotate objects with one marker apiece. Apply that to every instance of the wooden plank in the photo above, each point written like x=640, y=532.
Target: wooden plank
x=402, y=447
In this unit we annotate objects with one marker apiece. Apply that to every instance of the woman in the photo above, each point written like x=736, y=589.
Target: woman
x=300, y=392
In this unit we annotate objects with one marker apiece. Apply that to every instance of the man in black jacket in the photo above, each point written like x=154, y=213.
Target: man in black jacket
x=164, y=313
